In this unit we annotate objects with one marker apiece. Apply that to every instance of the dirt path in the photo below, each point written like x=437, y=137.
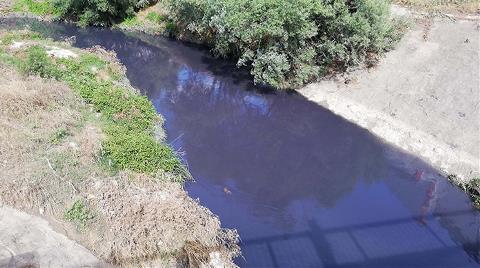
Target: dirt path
x=423, y=97
x=29, y=241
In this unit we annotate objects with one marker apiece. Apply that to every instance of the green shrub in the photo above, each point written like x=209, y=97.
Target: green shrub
x=39, y=63
x=287, y=43
x=171, y=28
x=98, y=12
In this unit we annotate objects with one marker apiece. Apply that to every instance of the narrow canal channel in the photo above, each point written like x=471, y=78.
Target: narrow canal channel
x=303, y=187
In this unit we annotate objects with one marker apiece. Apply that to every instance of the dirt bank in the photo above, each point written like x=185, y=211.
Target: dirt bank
x=52, y=165
x=423, y=97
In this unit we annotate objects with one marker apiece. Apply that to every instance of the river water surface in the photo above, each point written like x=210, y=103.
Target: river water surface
x=303, y=187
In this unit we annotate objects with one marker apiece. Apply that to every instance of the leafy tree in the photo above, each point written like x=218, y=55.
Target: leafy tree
x=98, y=12
x=287, y=43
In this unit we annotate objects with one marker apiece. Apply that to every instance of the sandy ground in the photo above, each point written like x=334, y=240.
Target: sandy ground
x=29, y=241
x=423, y=96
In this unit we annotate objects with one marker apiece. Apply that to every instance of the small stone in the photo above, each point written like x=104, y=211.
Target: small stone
x=73, y=145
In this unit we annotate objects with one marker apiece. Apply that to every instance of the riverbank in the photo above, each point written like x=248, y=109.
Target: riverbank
x=63, y=143
x=422, y=97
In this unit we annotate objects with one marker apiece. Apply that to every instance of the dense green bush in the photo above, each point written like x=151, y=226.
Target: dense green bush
x=97, y=12
x=288, y=42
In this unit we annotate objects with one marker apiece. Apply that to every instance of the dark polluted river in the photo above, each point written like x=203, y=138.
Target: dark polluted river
x=303, y=187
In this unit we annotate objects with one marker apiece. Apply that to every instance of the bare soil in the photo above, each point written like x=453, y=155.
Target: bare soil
x=423, y=97
x=455, y=6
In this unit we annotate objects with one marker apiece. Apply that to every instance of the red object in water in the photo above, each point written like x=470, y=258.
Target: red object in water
x=418, y=175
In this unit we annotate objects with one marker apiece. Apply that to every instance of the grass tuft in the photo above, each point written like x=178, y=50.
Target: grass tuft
x=79, y=214
x=59, y=135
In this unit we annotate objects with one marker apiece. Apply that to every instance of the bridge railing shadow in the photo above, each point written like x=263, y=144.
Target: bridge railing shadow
x=379, y=244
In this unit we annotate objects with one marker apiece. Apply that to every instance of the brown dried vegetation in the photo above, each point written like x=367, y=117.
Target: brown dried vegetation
x=50, y=144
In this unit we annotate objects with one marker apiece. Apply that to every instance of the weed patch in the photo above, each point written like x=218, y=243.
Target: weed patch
x=79, y=214
x=9, y=37
x=139, y=151
x=59, y=135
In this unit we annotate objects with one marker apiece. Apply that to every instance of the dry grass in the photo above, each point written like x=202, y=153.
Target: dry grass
x=152, y=217
x=5, y=6
x=30, y=111
x=460, y=6
x=49, y=157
